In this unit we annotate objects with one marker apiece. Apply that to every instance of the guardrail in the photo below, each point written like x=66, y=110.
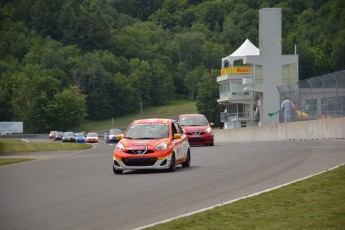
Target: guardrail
x=333, y=128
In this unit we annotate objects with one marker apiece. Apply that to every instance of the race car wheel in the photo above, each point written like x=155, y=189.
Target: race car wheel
x=117, y=171
x=172, y=166
x=187, y=162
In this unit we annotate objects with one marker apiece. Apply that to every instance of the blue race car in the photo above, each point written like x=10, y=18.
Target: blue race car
x=79, y=138
x=111, y=136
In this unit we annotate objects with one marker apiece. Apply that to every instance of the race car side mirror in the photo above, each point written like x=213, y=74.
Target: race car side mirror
x=177, y=136
x=119, y=137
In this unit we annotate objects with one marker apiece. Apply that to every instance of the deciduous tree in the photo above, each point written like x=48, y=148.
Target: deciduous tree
x=67, y=110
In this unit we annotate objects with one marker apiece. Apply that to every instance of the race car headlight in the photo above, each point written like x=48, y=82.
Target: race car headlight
x=162, y=146
x=208, y=130
x=119, y=147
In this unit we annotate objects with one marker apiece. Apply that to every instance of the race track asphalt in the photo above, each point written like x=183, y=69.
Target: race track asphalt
x=78, y=190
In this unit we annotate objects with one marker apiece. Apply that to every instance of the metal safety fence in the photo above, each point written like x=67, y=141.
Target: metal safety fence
x=320, y=97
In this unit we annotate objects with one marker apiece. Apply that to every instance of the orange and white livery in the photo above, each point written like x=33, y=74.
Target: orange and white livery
x=151, y=144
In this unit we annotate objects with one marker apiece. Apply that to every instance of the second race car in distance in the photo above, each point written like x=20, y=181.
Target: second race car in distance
x=198, y=129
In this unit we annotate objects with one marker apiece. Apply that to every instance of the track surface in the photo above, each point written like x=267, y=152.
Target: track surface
x=78, y=190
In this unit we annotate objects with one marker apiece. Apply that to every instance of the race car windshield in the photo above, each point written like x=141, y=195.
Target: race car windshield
x=114, y=132
x=147, y=131
x=92, y=135
x=193, y=121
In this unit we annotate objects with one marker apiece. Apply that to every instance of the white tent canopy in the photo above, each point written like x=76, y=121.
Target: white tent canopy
x=246, y=49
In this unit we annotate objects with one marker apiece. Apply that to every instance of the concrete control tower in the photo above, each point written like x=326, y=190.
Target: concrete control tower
x=253, y=85
x=272, y=61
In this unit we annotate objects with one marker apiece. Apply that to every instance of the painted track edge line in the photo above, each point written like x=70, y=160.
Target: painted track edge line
x=237, y=199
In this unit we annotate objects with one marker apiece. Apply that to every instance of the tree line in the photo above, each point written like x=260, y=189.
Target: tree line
x=63, y=62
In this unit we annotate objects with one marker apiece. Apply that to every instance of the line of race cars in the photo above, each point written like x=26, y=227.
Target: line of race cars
x=91, y=137
x=155, y=143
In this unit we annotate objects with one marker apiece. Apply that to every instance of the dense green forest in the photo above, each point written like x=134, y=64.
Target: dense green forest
x=65, y=61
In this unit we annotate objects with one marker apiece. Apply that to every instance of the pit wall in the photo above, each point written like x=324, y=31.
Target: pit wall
x=303, y=130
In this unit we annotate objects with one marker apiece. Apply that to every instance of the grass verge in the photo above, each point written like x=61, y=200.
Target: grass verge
x=15, y=145
x=171, y=110
x=314, y=203
x=8, y=161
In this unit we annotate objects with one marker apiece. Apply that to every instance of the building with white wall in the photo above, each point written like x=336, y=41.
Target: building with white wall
x=250, y=76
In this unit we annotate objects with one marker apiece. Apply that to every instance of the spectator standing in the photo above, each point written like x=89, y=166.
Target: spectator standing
x=287, y=106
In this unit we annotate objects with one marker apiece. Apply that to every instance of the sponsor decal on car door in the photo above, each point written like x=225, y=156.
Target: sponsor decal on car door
x=185, y=144
x=177, y=148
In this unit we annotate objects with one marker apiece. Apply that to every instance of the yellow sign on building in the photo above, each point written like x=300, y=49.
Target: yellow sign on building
x=236, y=70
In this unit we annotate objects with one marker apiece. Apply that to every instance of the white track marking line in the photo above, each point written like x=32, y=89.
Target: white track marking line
x=237, y=199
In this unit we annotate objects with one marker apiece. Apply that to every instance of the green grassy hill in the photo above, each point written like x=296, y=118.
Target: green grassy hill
x=171, y=110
